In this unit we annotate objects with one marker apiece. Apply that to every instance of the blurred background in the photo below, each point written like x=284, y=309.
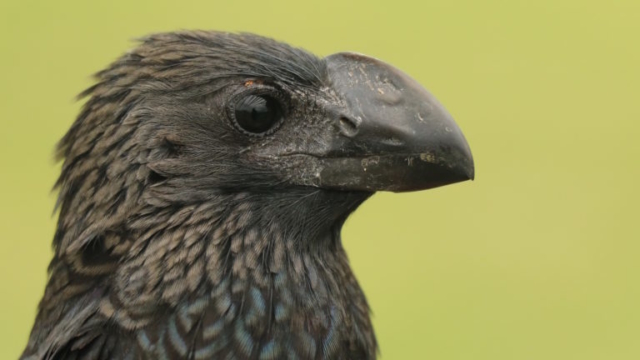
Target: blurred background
x=536, y=259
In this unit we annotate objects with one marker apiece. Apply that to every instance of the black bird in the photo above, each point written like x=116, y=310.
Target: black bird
x=203, y=190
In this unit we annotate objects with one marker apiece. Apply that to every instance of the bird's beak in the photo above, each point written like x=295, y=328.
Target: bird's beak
x=393, y=136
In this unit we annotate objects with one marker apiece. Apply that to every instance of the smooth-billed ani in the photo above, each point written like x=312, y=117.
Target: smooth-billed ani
x=203, y=189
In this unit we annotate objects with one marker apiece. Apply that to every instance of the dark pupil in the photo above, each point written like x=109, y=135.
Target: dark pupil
x=257, y=113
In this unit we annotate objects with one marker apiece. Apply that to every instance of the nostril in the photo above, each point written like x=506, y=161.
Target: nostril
x=348, y=123
x=348, y=126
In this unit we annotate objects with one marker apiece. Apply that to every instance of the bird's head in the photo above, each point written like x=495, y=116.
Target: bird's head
x=207, y=169
x=186, y=117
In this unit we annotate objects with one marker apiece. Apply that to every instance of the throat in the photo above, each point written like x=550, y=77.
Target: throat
x=257, y=279
x=276, y=264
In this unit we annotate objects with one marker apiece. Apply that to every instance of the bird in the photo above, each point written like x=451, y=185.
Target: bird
x=203, y=188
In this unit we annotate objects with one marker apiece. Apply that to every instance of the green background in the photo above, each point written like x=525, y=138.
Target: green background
x=536, y=259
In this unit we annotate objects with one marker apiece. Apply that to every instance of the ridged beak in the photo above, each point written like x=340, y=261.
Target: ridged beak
x=393, y=136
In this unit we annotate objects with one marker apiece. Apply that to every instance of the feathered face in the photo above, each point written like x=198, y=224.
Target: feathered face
x=188, y=115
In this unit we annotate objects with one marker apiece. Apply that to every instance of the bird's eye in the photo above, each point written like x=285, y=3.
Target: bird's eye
x=257, y=114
